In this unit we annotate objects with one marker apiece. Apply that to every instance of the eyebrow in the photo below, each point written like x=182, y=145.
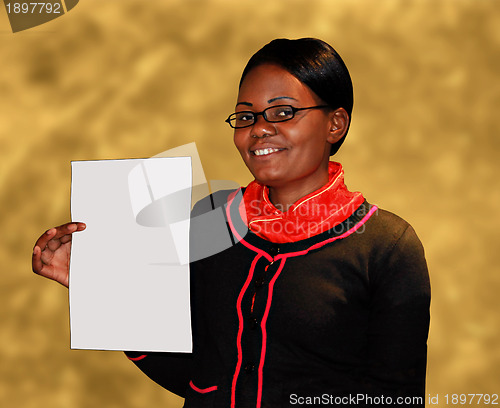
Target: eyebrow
x=280, y=97
x=269, y=101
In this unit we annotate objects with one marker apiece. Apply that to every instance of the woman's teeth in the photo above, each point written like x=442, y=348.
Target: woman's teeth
x=263, y=152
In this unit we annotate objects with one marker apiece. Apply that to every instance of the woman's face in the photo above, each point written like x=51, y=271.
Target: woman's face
x=300, y=147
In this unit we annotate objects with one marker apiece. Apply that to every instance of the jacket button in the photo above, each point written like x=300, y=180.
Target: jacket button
x=273, y=251
x=249, y=368
x=254, y=323
x=259, y=282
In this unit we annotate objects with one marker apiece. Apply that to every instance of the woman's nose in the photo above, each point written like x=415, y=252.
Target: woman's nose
x=262, y=128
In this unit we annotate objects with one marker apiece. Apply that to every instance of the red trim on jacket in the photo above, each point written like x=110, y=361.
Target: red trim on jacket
x=283, y=257
x=202, y=390
x=264, y=332
x=137, y=358
x=240, y=330
x=327, y=241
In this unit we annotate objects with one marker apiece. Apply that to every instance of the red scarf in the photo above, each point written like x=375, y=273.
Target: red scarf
x=313, y=214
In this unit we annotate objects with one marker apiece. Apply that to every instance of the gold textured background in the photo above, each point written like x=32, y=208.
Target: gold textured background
x=130, y=78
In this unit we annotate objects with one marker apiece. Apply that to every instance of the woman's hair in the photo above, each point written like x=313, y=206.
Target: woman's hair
x=316, y=64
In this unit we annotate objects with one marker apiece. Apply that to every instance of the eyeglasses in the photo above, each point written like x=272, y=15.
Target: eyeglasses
x=279, y=113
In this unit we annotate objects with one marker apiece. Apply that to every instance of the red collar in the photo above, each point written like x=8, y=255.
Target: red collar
x=313, y=214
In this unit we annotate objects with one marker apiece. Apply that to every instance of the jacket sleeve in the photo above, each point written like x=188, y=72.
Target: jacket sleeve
x=174, y=371
x=399, y=322
x=170, y=370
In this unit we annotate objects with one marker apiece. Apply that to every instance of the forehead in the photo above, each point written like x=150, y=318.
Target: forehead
x=267, y=82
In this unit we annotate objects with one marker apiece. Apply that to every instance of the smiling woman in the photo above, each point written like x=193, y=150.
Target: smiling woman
x=322, y=294
x=290, y=157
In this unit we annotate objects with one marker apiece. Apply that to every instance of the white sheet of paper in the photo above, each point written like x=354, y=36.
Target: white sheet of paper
x=129, y=279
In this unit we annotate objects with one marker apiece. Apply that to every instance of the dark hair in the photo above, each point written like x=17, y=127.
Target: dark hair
x=316, y=64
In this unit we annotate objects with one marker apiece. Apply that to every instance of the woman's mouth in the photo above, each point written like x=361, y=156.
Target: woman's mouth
x=265, y=152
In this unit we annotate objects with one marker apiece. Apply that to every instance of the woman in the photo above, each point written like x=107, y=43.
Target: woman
x=324, y=298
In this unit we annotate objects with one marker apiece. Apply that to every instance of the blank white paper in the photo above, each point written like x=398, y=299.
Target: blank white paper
x=129, y=278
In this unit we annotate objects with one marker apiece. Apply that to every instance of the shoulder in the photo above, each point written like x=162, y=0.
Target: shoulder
x=209, y=230
x=388, y=230
x=386, y=223
x=211, y=202
x=396, y=252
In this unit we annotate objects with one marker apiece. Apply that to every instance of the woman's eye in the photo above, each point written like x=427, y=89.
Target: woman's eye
x=284, y=112
x=244, y=116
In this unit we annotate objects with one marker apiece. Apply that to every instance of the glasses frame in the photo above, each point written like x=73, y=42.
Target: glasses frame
x=263, y=114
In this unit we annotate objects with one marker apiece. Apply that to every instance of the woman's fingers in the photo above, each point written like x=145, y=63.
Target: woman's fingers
x=65, y=238
x=41, y=263
x=53, y=244
x=46, y=257
x=36, y=260
x=41, y=242
x=50, y=242
x=59, y=232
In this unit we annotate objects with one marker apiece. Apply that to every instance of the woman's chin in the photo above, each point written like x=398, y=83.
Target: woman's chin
x=266, y=175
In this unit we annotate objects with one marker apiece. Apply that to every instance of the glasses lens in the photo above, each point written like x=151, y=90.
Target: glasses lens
x=242, y=119
x=279, y=113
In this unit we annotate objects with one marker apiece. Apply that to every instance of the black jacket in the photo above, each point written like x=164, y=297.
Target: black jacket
x=339, y=319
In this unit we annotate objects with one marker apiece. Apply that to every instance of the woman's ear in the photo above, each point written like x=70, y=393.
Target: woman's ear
x=339, y=123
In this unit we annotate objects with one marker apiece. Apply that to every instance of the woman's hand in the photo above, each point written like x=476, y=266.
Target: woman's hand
x=52, y=252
